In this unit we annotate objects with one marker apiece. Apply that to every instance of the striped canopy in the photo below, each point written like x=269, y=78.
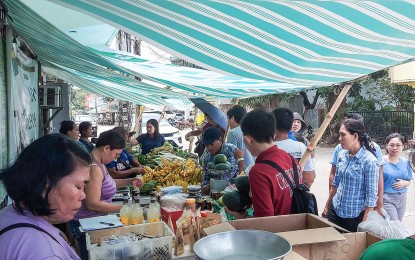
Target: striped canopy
x=314, y=43
x=108, y=73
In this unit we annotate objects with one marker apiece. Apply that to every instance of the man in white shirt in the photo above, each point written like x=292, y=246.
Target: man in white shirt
x=235, y=136
x=284, y=120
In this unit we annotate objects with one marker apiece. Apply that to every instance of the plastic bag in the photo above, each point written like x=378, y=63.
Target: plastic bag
x=171, y=190
x=384, y=227
x=173, y=200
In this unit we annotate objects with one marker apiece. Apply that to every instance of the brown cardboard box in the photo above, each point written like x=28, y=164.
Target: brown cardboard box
x=312, y=237
x=356, y=244
x=285, y=223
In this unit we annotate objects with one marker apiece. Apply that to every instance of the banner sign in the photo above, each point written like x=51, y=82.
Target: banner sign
x=23, y=101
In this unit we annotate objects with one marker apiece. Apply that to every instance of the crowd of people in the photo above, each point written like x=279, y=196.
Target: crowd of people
x=64, y=177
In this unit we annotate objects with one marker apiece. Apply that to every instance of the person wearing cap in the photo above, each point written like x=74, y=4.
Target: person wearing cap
x=298, y=127
x=212, y=139
x=199, y=149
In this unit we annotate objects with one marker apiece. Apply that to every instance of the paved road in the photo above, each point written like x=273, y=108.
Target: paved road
x=320, y=187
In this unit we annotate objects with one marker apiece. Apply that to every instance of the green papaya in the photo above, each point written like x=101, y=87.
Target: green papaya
x=235, y=201
x=222, y=166
x=220, y=158
x=211, y=165
x=242, y=184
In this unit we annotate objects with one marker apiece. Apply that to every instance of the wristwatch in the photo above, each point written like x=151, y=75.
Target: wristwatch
x=240, y=159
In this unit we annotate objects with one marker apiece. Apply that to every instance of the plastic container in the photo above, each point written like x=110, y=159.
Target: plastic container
x=136, y=213
x=125, y=212
x=153, y=212
x=160, y=247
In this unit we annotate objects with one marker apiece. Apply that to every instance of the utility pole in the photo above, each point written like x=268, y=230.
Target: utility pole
x=125, y=43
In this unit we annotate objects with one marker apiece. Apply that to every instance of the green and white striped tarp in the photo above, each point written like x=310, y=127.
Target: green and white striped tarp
x=107, y=72
x=314, y=43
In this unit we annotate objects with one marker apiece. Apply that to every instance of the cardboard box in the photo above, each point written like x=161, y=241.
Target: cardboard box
x=312, y=237
x=355, y=245
x=285, y=223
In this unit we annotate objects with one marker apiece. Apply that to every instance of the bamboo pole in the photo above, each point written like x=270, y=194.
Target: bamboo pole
x=138, y=120
x=324, y=125
x=162, y=113
x=193, y=128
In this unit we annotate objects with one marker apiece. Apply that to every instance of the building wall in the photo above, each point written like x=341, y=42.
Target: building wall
x=3, y=115
x=63, y=114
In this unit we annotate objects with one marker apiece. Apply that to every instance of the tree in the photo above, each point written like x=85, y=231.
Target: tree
x=266, y=101
x=77, y=98
x=401, y=95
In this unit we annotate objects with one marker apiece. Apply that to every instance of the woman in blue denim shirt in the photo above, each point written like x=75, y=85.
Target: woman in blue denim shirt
x=355, y=186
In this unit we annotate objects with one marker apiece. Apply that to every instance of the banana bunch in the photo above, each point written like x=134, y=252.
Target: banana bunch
x=174, y=172
x=148, y=174
x=164, y=148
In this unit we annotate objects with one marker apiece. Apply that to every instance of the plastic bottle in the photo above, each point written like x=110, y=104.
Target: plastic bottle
x=136, y=214
x=153, y=212
x=125, y=212
x=154, y=195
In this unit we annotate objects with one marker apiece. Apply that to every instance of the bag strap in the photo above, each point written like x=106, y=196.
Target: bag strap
x=276, y=166
x=295, y=169
x=19, y=225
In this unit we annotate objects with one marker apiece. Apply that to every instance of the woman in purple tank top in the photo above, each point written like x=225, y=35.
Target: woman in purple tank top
x=101, y=187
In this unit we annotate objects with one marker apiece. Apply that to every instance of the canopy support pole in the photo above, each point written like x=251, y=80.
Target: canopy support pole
x=193, y=128
x=162, y=113
x=325, y=124
x=138, y=120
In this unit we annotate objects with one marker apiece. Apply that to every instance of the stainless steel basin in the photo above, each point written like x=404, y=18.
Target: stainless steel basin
x=242, y=244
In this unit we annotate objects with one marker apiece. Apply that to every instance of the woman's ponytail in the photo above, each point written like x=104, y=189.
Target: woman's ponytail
x=367, y=143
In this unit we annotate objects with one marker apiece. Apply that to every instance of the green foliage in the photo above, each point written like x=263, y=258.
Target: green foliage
x=401, y=95
x=362, y=104
x=355, y=90
x=266, y=99
x=388, y=108
x=77, y=98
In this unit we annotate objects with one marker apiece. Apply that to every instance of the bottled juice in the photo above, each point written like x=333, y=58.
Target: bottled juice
x=154, y=195
x=153, y=212
x=136, y=214
x=125, y=212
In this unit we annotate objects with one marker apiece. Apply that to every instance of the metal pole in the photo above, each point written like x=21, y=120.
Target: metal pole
x=193, y=128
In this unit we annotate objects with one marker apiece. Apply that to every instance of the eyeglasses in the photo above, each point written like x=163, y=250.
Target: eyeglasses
x=395, y=145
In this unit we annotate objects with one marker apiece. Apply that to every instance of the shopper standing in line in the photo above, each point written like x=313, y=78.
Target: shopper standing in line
x=354, y=190
x=397, y=176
